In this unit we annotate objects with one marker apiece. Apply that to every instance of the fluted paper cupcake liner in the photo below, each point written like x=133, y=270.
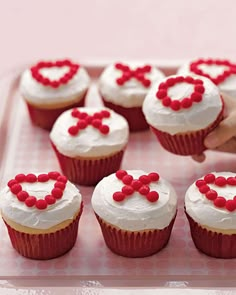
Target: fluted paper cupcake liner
x=211, y=243
x=190, y=143
x=88, y=171
x=134, y=243
x=45, y=246
x=134, y=116
x=45, y=118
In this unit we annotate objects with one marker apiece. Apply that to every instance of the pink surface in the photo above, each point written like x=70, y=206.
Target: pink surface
x=28, y=150
x=104, y=29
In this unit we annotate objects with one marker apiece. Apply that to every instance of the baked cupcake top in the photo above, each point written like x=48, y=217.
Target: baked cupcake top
x=211, y=200
x=135, y=200
x=221, y=72
x=40, y=200
x=182, y=103
x=52, y=82
x=126, y=84
x=89, y=132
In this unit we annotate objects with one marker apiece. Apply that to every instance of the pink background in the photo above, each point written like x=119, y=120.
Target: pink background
x=104, y=30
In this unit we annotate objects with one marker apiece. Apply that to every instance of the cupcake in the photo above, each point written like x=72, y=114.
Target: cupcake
x=89, y=143
x=181, y=111
x=136, y=212
x=123, y=88
x=210, y=206
x=51, y=87
x=41, y=213
x=219, y=71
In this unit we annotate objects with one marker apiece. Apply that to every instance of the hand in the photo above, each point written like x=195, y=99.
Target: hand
x=223, y=137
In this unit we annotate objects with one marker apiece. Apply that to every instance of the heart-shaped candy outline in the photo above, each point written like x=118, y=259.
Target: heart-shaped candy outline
x=212, y=195
x=194, y=68
x=186, y=102
x=35, y=72
x=31, y=201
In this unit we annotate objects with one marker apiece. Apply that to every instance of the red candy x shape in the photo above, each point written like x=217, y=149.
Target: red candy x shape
x=138, y=73
x=140, y=185
x=84, y=120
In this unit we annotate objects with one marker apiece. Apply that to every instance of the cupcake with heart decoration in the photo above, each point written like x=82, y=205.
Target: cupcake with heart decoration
x=222, y=72
x=210, y=206
x=136, y=212
x=41, y=212
x=89, y=143
x=123, y=87
x=182, y=110
x=51, y=87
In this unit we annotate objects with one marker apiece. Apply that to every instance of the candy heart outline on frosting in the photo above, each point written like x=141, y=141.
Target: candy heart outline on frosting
x=31, y=201
x=194, y=67
x=72, y=70
x=186, y=102
x=212, y=195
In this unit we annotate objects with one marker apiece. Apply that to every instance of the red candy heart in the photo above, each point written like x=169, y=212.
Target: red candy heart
x=203, y=186
x=38, y=76
x=31, y=201
x=140, y=185
x=230, y=69
x=186, y=102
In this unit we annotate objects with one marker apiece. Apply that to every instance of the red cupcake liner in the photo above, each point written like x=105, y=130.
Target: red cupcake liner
x=135, y=244
x=45, y=118
x=212, y=243
x=45, y=246
x=191, y=143
x=134, y=116
x=88, y=171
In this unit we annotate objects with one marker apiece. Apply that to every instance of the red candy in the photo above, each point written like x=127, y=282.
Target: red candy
x=212, y=195
x=30, y=201
x=140, y=185
x=38, y=76
x=138, y=74
x=229, y=70
x=186, y=102
x=84, y=120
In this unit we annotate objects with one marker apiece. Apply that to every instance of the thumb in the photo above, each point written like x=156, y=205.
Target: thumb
x=222, y=133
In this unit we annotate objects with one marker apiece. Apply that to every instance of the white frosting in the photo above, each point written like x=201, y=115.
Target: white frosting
x=90, y=142
x=203, y=210
x=131, y=93
x=64, y=208
x=228, y=86
x=199, y=116
x=135, y=212
x=36, y=93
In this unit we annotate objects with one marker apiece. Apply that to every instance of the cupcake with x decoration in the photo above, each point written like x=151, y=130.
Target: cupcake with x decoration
x=210, y=206
x=41, y=212
x=123, y=87
x=222, y=72
x=51, y=87
x=136, y=212
x=181, y=111
x=89, y=143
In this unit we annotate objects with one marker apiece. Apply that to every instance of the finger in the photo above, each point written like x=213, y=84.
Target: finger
x=199, y=158
x=229, y=146
x=222, y=133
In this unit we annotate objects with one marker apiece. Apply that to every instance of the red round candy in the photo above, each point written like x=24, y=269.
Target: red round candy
x=144, y=190
x=127, y=179
x=57, y=193
x=127, y=190
x=41, y=204
x=152, y=196
x=43, y=177
x=31, y=178
x=20, y=177
x=30, y=201
x=22, y=196
x=118, y=196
